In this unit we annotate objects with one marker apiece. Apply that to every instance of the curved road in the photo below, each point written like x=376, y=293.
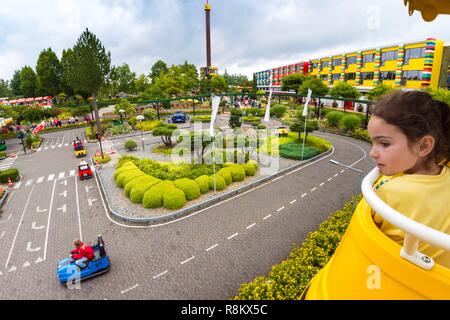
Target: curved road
x=206, y=255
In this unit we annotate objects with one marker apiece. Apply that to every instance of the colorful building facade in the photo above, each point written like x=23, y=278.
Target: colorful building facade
x=413, y=65
x=264, y=78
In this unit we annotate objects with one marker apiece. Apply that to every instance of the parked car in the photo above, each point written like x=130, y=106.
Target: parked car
x=179, y=116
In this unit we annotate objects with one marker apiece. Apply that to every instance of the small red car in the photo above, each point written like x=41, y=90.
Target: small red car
x=84, y=170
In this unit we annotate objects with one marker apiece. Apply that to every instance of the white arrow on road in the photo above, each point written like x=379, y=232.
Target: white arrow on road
x=32, y=250
x=64, y=182
x=91, y=200
x=3, y=233
x=26, y=264
x=33, y=226
x=88, y=187
x=13, y=268
x=38, y=210
x=38, y=260
x=64, y=193
x=63, y=208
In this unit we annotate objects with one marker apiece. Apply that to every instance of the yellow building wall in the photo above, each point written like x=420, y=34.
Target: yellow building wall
x=390, y=65
x=436, y=71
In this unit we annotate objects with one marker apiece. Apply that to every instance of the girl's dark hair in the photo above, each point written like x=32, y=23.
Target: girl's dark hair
x=417, y=114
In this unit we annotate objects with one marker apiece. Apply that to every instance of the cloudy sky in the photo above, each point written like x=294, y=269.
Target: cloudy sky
x=247, y=35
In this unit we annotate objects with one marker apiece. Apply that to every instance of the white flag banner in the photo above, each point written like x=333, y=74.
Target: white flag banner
x=267, y=115
x=308, y=98
x=215, y=108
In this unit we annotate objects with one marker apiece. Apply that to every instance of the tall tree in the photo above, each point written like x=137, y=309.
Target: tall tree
x=15, y=83
x=292, y=82
x=345, y=90
x=48, y=72
x=66, y=71
x=216, y=84
x=91, y=68
x=160, y=67
x=4, y=88
x=125, y=79
x=28, y=81
x=315, y=84
x=142, y=83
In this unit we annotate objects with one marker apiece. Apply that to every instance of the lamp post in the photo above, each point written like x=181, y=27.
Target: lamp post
x=351, y=168
x=121, y=112
x=140, y=118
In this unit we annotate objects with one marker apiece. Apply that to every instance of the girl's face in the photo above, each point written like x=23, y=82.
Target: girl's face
x=390, y=148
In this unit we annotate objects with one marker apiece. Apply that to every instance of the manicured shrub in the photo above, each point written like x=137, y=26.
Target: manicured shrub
x=220, y=182
x=351, y=122
x=127, y=158
x=189, y=187
x=138, y=191
x=174, y=198
x=334, y=118
x=106, y=158
x=12, y=173
x=130, y=144
x=131, y=177
x=225, y=173
x=294, y=151
x=136, y=182
x=361, y=134
x=237, y=173
x=123, y=169
x=121, y=177
x=250, y=169
x=203, y=183
x=153, y=197
x=3, y=155
x=278, y=111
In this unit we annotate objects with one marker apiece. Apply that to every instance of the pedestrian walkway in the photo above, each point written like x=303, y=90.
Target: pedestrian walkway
x=7, y=163
x=43, y=179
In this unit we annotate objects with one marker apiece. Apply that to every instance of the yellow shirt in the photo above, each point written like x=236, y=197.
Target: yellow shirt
x=423, y=198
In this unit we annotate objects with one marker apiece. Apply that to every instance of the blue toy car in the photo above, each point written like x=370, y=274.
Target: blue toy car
x=68, y=271
x=179, y=116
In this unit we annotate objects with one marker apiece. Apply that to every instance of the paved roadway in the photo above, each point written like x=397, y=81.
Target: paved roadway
x=206, y=255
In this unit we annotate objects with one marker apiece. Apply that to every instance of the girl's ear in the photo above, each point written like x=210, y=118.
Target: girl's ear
x=427, y=144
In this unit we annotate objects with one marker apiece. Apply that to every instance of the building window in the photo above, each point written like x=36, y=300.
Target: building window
x=388, y=56
x=368, y=58
x=335, y=76
x=351, y=60
x=350, y=76
x=337, y=62
x=387, y=75
x=413, y=75
x=367, y=76
x=414, y=54
x=323, y=77
x=314, y=65
x=325, y=64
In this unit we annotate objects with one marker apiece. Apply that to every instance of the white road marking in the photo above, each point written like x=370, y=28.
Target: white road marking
x=63, y=182
x=39, y=149
x=232, y=236
x=342, y=171
x=336, y=174
x=329, y=179
x=129, y=289
x=159, y=275
x=304, y=195
x=267, y=217
x=72, y=173
x=78, y=209
x=3, y=233
x=26, y=264
x=187, y=260
x=29, y=249
x=61, y=175
x=277, y=178
x=50, y=177
x=87, y=188
x=38, y=260
x=17, y=186
x=46, y=148
x=53, y=147
x=39, y=210
x=29, y=182
x=66, y=144
x=63, y=208
x=63, y=194
x=18, y=227
x=59, y=145
x=280, y=209
x=251, y=226
x=91, y=200
x=40, y=179
x=212, y=247
x=13, y=268
x=321, y=184
x=313, y=189
x=33, y=226
x=293, y=201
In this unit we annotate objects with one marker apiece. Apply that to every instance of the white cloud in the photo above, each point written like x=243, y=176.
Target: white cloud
x=247, y=36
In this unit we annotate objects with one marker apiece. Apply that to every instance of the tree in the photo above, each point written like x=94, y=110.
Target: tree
x=345, y=90
x=165, y=132
x=15, y=83
x=48, y=73
x=4, y=88
x=28, y=81
x=141, y=84
x=125, y=79
x=158, y=68
x=378, y=91
x=299, y=126
x=315, y=84
x=216, y=84
x=33, y=114
x=236, y=80
x=189, y=75
x=91, y=68
x=66, y=71
x=292, y=82
x=441, y=95
x=126, y=106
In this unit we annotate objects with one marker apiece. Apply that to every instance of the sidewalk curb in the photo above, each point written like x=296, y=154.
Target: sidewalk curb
x=3, y=199
x=205, y=204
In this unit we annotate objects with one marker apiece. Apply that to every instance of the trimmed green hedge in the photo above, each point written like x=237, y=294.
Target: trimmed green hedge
x=250, y=169
x=12, y=173
x=189, y=187
x=203, y=183
x=174, y=198
x=136, y=182
x=129, y=166
x=138, y=191
x=288, y=280
x=294, y=151
x=225, y=173
x=220, y=183
x=135, y=172
x=237, y=173
x=153, y=198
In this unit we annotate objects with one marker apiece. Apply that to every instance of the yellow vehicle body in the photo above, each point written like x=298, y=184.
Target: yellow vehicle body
x=367, y=266
x=80, y=153
x=428, y=8
x=282, y=131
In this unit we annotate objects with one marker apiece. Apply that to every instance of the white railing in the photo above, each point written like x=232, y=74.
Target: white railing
x=414, y=231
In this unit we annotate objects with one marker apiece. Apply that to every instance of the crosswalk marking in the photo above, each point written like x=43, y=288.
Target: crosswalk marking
x=40, y=179
x=17, y=186
x=50, y=177
x=72, y=173
x=61, y=175
x=28, y=182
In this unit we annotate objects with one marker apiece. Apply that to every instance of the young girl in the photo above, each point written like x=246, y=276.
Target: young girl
x=410, y=132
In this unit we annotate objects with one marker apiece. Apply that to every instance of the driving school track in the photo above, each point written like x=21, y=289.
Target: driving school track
x=203, y=256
